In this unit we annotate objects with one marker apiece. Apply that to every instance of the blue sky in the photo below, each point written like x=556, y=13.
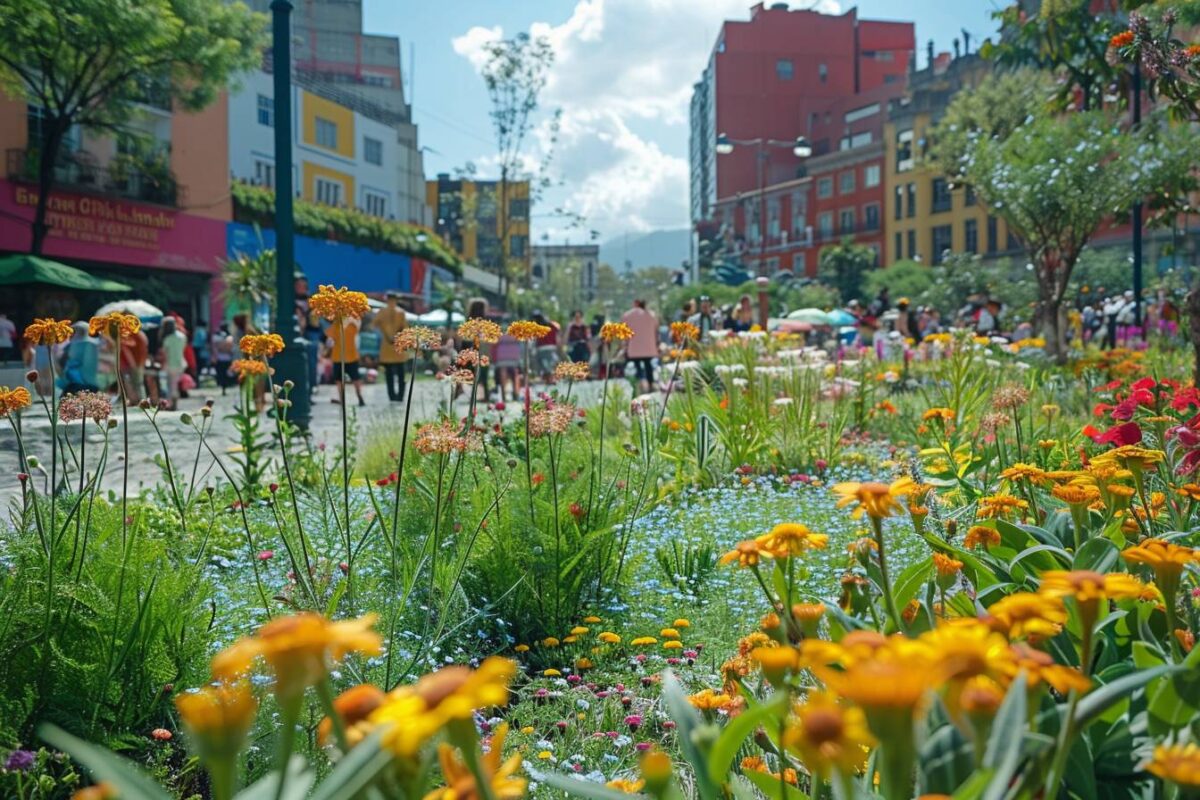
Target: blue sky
x=622, y=78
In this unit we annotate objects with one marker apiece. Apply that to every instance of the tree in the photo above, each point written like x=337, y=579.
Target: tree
x=902, y=279
x=844, y=266
x=87, y=63
x=1056, y=179
x=515, y=73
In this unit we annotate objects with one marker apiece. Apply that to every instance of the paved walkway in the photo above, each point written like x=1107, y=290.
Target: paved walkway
x=430, y=395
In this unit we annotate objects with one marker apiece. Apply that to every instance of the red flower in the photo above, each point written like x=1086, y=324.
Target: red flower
x=576, y=510
x=1188, y=437
x=1120, y=435
x=1122, y=39
x=538, y=478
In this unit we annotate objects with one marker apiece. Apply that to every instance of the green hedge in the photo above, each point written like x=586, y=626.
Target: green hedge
x=254, y=205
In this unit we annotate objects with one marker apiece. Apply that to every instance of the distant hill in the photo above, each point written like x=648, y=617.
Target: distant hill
x=654, y=249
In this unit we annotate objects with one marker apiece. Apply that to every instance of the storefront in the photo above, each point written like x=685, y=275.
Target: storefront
x=171, y=259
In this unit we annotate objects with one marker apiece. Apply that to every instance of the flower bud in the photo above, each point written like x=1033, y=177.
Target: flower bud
x=112, y=423
x=144, y=404
x=31, y=376
x=185, y=418
x=206, y=412
x=288, y=385
x=33, y=462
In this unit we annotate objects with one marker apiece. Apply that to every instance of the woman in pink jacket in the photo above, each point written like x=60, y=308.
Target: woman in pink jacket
x=642, y=349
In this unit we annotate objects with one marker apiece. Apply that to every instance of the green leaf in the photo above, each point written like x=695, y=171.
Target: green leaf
x=130, y=782
x=299, y=780
x=688, y=721
x=1094, y=704
x=1003, y=751
x=357, y=770
x=1081, y=770
x=580, y=788
x=975, y=786
x=911, y=580
x=720, y=758
x=772, y=787
x=1097, y=555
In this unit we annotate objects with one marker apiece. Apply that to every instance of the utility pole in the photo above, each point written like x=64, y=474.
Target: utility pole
x=292, y=363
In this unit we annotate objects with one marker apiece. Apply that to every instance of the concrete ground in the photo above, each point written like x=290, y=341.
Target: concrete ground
x=430, y=395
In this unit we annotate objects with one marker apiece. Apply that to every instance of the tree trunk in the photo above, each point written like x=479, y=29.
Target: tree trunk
x=47, y=158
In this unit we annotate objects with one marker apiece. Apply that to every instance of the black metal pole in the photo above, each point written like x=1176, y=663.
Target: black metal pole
x=1137, y=209
x=762, y=208
x=292, y=363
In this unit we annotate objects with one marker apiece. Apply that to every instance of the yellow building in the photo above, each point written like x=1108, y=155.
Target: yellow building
x=474, y=218
x=924, y=217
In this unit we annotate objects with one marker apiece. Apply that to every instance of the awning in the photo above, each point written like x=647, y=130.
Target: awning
x=32, y=269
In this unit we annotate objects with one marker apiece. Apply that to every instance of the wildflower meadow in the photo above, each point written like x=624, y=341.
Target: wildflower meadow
x=956, y=568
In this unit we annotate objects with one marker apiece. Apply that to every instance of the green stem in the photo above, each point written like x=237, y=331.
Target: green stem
x=325, y=695
x=888, y=600
x=290, y=713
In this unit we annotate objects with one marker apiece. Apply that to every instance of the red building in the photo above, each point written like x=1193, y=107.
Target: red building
x=775, y=77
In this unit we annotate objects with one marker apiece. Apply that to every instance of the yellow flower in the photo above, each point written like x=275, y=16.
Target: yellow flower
x=336, y=304
x=1000, y=504
x=261, y=344
x=644, y=641
x=13, y=399
x=776, y=662
x=1047, y=444
x=1087, y=586
x=1028, y=615
x=583, y=663
x=1191, y=491
x=248, y=368
x=115, y=325
x=592, y=620
x=354, y=706
x=528, y=729
x=551, y=673
x=578, y=630
x=608, y=637
x=1167, y=559
x=615, y=331
x=522, y=648
x=416, y=337
x=415, y=713
x=708, y=700
x=100, y=791
x=944, y=414
x=876, y=500
x=1178, y=764
x=1130, y=456
x=669, y=633
x=808, y=612
x=1024, y=472
x=298, y=649
x=673, y=644
x=479, y=331
x=626, y=785
x=682, y=332
x=896, y=676
x=218, y=718
x=791, y=539
x=1039, y=668
x=946, y=566
x=572, y=371
x=550, y=641
x=1076, y=494
x=681, y=623
x=48, y=331
x=524, y=330
x=500, y=774
x=828, y=735
x=746, y=554
x=981, y=535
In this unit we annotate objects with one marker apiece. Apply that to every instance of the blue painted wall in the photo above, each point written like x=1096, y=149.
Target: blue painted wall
x=335, y=263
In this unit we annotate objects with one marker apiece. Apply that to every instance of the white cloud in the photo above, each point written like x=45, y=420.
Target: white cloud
x=623, y=76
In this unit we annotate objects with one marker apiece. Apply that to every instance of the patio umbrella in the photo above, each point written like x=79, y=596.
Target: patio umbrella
x=842, y=317
x=19, y=269
x=813, y=316
x=791, y=325
x=438, y=317
x=139, y=308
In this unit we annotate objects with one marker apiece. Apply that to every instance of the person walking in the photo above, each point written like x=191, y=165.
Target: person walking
x=82, y=362
x=506, y=358
x=343, y=340
x=579, y=338
x=642, y=348
x=8, y=338
x=477, y=308
x=390, y=321
x=705, y=319
x=171, y=354
x=222, y=356
x=547, y=346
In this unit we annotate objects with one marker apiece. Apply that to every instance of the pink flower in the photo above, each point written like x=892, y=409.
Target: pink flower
x=266, y=555
x=634, y=721
x=642, y=747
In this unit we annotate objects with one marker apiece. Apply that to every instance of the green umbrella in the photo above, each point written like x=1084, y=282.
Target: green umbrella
x=32, y=269
x=813, y=316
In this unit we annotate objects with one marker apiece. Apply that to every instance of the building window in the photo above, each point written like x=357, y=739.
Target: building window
x=328, y=192
x=943, y=241
x=822, y=72
x=266, y=111
x=911, y=191
x=871, y=176
x=871, y=217
x=898, y=203
x=264, y=173
x=846, y=182
x=518, y=208
x=898, y=241
x=971, y=236
x=376, y=204
x=372, y=151
x=969, y=195
x=825, y=187
x=912, y=245
x=784, y=69
x=326, y=133
x=1012, y=243
x=517, y=245
x=773, y=218
x=825, y=225
x=799, y=214
x=992, y=234
x=846, y=221
x=904, y=151
x=942, y=199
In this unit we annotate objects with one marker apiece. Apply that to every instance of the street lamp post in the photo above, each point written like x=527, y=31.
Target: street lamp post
x=292, y=363
x=800, y=148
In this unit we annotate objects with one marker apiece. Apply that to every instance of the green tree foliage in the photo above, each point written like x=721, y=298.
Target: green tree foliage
x=844, y=266
x=88, y=63
x=902, y=279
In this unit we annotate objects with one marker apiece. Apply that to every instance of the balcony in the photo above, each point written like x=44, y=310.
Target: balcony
x=127, y=176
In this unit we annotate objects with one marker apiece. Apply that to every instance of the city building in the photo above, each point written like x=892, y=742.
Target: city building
x=773, y=77
x=344, y=154
x=149, y=209
x=476, y=216
x=926, y=217
x=578, y=262
x=332, y=57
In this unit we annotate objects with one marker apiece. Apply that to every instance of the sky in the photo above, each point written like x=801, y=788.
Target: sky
x=622, y=77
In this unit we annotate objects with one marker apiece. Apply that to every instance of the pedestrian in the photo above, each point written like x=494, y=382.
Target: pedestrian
x=599, y=351
x=881, y=303
x=579, y=338
x=310, y=327
x=506, y=358
x=743, y=314
x=705, y=319
x=171, y=355
x=390, y=321
x=1127, y=319
x=547, y=346
x=906, y=320
x=81, y=363
x=8, y=338
x=200, y=347
x=1112, y=307
x=642, y=348
x=343, y=341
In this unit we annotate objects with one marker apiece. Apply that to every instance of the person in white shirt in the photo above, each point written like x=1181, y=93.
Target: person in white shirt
x=8, y=335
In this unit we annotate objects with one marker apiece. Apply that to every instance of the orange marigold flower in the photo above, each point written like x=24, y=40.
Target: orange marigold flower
x=1178, y=764
x=684, y=332
x=791, y=539
x=115, y=325
x=944, y=414
x=261, y=344
x=1087, y=586
x=981, y=535
x=354, y=706
x=1076, y=494
x=248, y=368
x=945, y=565
x=524, y=330
x=48, y=331
x=1024, y=472
x=615, y=331
x=877, y=500
x=333, y=304
x=1122, y=39
x=746, y=554
x=13, y=399
x=1000, y=504
x=1192, y=51
x=1028, y=615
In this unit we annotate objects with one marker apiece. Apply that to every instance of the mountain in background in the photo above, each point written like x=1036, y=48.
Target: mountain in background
x=654, y=249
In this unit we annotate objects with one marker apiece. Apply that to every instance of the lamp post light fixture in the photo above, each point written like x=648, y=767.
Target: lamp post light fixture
x=800, y=147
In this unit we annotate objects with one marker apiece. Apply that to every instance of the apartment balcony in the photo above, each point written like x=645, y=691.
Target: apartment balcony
x=126, y=176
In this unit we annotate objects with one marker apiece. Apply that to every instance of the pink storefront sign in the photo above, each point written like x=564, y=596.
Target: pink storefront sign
x=112, y=230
